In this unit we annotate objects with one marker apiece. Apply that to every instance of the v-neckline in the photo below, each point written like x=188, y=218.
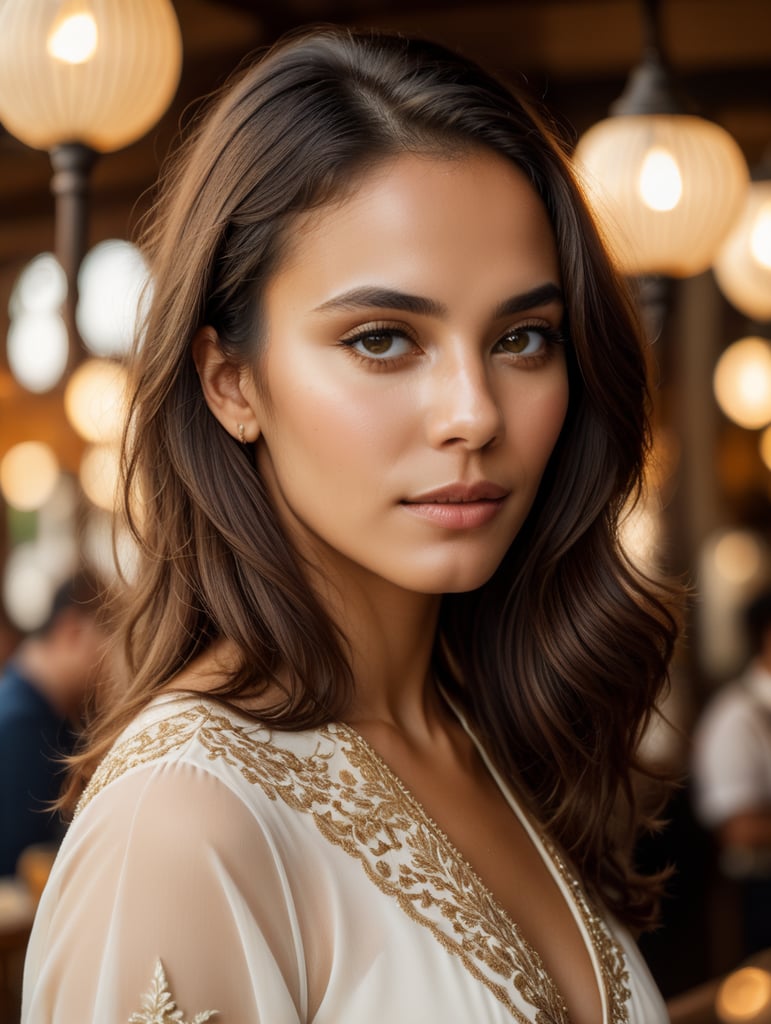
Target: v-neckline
x=565, y=879
x=373, y=815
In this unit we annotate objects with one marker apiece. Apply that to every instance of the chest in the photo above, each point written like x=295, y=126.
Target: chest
x=400, y=914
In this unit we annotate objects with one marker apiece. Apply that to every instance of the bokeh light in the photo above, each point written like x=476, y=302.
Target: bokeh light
x=28, y=588
x=745, y=995
x=28, y=475
x=41, y=287
x=99, y=474
x=742, y=382
x=111, y=285
x=37, y=349
x=94, y=400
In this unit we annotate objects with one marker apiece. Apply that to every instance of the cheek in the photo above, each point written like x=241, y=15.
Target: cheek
x=538, y=422
x=335, y=415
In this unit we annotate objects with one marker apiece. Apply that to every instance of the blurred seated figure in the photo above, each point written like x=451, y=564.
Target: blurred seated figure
x=732, y=777
x=42, y=692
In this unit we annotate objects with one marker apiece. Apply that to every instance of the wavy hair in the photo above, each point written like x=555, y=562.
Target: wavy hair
x=560, y=657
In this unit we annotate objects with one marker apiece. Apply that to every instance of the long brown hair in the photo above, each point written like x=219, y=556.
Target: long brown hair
x=560, y=656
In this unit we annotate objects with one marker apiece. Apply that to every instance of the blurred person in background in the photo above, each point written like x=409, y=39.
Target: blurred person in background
x=732, y=777
x=43, y=688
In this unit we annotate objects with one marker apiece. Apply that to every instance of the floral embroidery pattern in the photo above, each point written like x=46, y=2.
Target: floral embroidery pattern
x=614, y=971
x=363, y=809
x=158, y=1007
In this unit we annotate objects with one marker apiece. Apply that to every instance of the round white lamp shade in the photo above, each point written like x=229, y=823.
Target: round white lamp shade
x=96, y=72
x=665, y=188
x=743, y=263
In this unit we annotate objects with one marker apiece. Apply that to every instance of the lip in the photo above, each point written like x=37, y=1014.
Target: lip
x=460, y=494
x=459, y=506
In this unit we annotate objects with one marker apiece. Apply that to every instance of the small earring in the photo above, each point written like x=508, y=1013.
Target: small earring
x=241, y=433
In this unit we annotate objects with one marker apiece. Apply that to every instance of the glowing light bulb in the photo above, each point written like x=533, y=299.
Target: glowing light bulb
x=74, y=38
x=660, y=182
x=760, y=238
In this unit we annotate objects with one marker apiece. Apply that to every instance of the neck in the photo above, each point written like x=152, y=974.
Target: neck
x=390, y=634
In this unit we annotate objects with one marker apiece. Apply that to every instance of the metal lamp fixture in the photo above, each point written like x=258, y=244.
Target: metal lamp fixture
x=79, y=78
x=665, y=185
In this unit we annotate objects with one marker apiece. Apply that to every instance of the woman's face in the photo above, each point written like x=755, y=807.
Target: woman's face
x=415, y=372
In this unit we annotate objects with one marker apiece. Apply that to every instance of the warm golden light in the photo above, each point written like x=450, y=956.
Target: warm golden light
x=635, y=167
x=100, y=75
x=28, y=475
x=760, y=239
x=99, y=475
x=743, y=262
x=94, y=400
x=738, y=557
x=73, y=39
x=745, y=995
x=765, y=447
x=742, y=382
x=660, y=182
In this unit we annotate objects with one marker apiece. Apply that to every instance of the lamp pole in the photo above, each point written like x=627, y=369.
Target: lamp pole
x=72, y=163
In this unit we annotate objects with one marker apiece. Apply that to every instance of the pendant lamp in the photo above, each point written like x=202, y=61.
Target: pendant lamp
x=79, y=78
x=743, y=263
x=665, y=185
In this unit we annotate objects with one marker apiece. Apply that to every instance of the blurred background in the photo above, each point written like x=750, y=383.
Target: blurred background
x=667, y=107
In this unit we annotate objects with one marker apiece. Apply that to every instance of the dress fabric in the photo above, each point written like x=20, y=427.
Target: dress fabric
x=220, y=871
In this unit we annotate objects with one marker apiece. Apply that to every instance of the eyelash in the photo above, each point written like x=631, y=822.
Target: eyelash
x=552, y=337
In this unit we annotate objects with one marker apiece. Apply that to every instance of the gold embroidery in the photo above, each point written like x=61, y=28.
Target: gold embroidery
x=364, y=810
x=611, y=957
x=158, y=1007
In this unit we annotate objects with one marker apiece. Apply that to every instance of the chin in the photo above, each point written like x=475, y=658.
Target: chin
x=455, y=580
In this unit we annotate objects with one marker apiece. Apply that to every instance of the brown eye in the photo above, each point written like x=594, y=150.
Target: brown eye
x=380, y=343
x=377, y=344
x=525, y=341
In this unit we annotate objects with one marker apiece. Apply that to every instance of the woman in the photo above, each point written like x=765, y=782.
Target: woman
x=389, y=665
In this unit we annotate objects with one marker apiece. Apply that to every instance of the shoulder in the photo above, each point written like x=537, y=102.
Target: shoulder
x=168, y=859
x=196, y=739
x=19, y=699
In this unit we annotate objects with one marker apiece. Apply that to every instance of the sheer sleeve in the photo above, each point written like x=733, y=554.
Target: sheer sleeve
x=168, y=905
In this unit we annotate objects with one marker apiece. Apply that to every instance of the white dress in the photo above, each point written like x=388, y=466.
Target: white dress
x=219, y=871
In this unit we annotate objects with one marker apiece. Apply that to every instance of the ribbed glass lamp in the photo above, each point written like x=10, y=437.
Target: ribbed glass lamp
x=666, y=186
x=96, y=72
x=743, y=263
x=81, y=77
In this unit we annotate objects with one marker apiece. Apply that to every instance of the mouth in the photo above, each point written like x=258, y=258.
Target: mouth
x=458, y=506
x=460, y=494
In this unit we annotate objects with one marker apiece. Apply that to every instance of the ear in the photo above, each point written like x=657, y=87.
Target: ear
x=226, y=386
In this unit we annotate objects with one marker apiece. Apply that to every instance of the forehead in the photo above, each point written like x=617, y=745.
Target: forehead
x=426, y=221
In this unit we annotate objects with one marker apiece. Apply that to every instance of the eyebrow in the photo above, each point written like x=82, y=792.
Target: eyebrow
x=370, y=297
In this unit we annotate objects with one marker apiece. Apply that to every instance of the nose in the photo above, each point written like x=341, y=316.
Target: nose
x=463, y=409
